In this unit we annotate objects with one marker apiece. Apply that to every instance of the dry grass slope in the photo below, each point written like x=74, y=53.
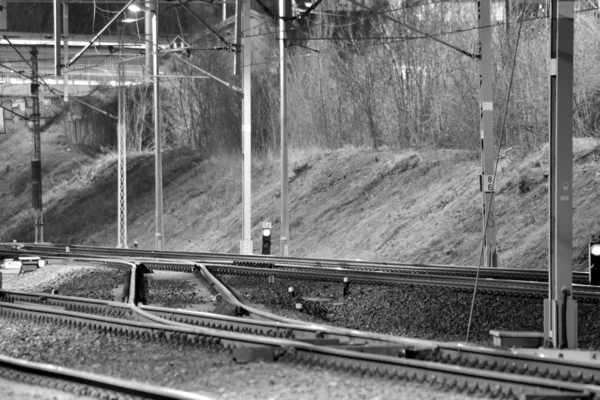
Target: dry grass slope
x=352, y=203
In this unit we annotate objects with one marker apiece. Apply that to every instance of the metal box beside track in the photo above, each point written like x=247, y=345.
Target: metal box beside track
x=517, y=339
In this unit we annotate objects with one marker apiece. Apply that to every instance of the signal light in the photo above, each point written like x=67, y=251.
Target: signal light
x=594, y=260
x=266, y=238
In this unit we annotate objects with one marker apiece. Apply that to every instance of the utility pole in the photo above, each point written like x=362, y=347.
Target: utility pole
x=3, y=17
x=148, y=33
x=159, y=235
x=285, y=212
x=36, y=156
x=246, y=243
x=560, y=309
x=122, y=159
x=237, y=58
x=65, y=50
x=486, y=127
x=57, y=31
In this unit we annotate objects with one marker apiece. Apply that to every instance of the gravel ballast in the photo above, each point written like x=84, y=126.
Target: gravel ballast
x=195, y=369
x=89, y=281
x=425, y=312
x=180, y=367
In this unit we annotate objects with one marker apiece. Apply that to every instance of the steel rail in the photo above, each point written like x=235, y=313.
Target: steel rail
x=459, y=378
x=67, y=303
x=504, y=273
x=17, y=369
x=481, y=358
x=533, y=289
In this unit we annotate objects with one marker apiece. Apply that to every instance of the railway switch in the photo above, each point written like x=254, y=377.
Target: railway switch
x=266, y=238
x=594, y=260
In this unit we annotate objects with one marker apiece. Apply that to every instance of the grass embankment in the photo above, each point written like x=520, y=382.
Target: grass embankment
x=412, y=206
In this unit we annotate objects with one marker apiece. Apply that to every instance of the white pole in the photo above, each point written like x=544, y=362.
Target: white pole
x=148, y=15
x=246, y=243
x=285, y=226
x=159, y=235
x=66, y=51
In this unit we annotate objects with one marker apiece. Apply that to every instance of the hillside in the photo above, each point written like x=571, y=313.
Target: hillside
x=354, y=203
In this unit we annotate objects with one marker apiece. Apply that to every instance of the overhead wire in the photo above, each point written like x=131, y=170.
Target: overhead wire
x=424, y=36
x=50, y=88
x=488, y=205
x=210, y=28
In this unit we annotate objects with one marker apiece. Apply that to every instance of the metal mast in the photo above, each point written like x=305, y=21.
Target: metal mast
x=490, y=258
x=159, y=235
x=3, y=16
x=148, y=33
x=36, y=156
x=122, y=159
x=246, y=243
x=66, y=50
x=560, y=309
x=285, y=223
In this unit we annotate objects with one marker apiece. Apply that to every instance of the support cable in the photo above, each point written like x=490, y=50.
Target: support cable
x=502, y=136
x=97, y=36
x=267, y=10
x=229, y=85
x=45, y=84
x=15, y=113
x=428, y=36
x=221, y=38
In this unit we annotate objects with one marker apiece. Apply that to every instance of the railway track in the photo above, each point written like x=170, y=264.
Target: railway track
x=86, y=384
x=404, y=364
x=513, y=283
x=459, y=368
x=292, y=263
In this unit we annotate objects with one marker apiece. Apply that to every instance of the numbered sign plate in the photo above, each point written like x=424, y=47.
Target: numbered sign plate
x=487, y=183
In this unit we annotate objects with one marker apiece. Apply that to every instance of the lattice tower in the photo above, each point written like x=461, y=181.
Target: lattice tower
x=122, y=153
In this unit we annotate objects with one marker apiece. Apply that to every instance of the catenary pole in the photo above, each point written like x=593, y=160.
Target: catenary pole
x=122, y=159
x=3, y=16
x=65, y=50
x=36, y=156
x=285, y=217
x=148, y=33
x=246, y=243
x=159, y=232
x=486, y=127
x=560, y=309
x=57, y=15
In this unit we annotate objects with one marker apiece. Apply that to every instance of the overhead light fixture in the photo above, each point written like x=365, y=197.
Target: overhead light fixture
x=137, y=8
x=129, y=20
